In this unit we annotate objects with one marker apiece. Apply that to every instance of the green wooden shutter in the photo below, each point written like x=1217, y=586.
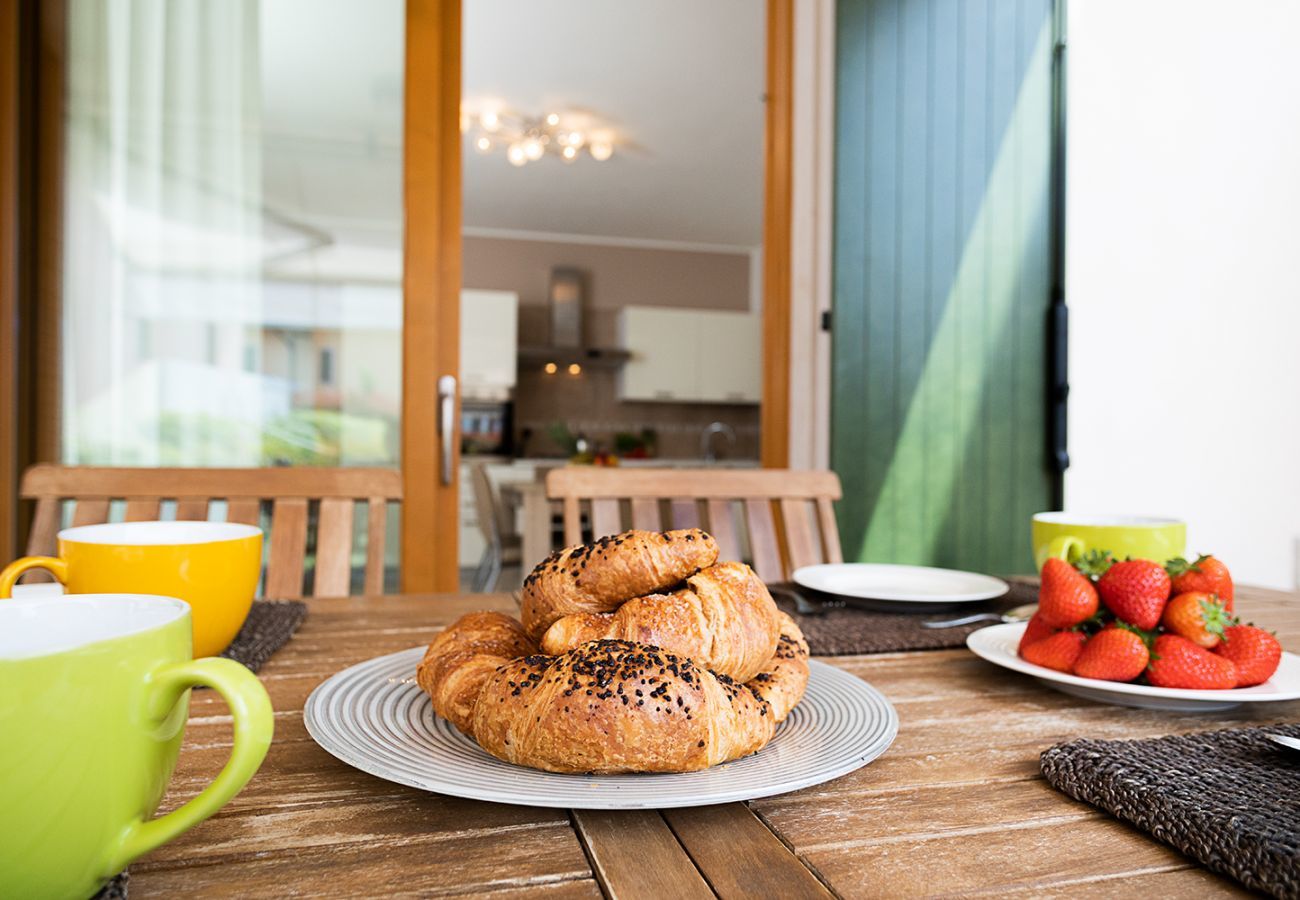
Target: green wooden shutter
x=942, y=267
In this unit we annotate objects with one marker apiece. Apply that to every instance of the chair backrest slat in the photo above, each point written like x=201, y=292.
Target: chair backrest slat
x=290, y=492
x=142, y=509
x=801, y=542
x=90, y=511
x=763, y=546
x=722, y=526
x=804, y=532
x=376, y=532
x=830, y=531
x=686, y=512
x=605, y=518
x=192, y=509
x=334, y=548
x=284, y=567
x=645, y=514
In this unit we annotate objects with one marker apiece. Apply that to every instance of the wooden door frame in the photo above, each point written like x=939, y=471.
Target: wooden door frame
x=431, y=191
x=778, y=180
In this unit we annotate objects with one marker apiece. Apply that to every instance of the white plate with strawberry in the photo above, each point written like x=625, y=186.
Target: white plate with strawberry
x=1138, y=633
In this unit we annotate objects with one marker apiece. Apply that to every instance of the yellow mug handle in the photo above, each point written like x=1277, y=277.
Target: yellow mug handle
x=254, y=724
x=1066, y=547
x=16, y=569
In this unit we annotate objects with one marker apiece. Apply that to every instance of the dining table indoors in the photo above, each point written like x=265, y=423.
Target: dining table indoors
x=956, y=805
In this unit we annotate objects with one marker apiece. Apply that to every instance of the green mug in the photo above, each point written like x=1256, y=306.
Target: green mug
x=1069, y=536
x=94, y=694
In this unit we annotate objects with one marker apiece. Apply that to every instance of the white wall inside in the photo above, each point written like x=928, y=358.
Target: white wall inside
x=1183, y=242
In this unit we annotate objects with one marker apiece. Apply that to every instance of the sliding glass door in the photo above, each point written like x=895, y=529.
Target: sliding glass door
x=232, y=217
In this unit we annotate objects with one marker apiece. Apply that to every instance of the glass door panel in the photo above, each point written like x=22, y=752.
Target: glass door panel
x=232, y=233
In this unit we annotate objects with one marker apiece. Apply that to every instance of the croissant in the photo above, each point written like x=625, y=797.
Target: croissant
x=724, y=620
x=598, y=577
x=784, y=677
x=461, y=660
x=605, y=706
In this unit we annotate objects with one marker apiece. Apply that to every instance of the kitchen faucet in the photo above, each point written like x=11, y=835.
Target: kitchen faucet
x=706, y=439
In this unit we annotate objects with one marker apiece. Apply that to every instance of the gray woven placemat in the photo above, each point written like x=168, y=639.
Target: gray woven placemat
x=269, y=626
x=1229, y=799
x=848, y=631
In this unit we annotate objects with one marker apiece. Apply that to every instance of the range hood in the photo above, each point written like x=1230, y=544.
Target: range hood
x=567, y=298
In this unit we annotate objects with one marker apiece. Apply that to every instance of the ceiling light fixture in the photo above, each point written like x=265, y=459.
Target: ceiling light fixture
x=530, y=138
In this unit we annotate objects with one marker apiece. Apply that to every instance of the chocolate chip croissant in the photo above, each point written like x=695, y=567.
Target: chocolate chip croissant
x=600, y=576
x=724, y=619
x=605, y=706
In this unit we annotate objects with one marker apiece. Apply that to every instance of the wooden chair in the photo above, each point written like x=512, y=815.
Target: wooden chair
x=279, y=500
x=502, y=544
x=775, y=519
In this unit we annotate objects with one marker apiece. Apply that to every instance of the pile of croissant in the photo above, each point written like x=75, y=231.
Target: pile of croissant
x=639, y=652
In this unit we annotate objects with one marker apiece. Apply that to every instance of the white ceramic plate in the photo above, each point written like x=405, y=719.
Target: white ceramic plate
x=998, y=644
x=374, y=717
x=900, y=584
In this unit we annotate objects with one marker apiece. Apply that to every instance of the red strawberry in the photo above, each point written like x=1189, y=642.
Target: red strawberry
x=1065, y=597
x=1178, y=663
x=1035, y=631
x=1136, y=591
x=1207, y=575
x=1254, y=651
x=1113, y=654
x=1058, y=651
x=1197, y=616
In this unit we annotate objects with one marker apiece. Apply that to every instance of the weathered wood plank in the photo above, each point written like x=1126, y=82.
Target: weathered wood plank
x=634, y=855
x=751, y=862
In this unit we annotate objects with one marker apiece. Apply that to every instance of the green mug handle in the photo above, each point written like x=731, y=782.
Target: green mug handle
x=254, y=723
x=16, y=569
x=1062, y=547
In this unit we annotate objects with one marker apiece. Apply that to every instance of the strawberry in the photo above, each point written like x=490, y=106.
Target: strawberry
x=1253, y=651
x=1065, y=597
x=1035, y=631
x=1136, y=591
x=1057, y=651
x=1197, y=616
x=1178, y=663
x=1113, y=654
x=1207, y=575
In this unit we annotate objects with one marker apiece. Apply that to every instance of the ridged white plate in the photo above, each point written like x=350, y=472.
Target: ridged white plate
x=922, y=585
x=374, y=717
x=998, y=644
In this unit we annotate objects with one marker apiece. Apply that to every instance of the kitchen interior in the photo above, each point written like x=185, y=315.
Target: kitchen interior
x=610, y=311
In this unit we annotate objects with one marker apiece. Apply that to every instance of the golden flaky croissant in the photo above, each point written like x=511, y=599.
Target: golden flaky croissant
x=724, y=620
x=600, y=576
x=784, y=677
x=605, y=706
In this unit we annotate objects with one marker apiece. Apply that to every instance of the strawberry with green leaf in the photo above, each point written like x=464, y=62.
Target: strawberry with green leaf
x=1197, y=616
x=1136, y=591
x=1207, y=576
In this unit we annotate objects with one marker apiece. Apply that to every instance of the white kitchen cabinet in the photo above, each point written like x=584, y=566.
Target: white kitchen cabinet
x=689, y=355
x=489, y=336
x=731, y=360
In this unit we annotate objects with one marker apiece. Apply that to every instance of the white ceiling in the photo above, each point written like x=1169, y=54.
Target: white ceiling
x=679, y=82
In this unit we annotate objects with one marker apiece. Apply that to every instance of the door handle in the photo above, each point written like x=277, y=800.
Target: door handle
x=446, y=423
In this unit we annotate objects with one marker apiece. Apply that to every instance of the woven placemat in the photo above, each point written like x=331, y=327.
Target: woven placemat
x=847, y=631
x=1228, y=799
x=269, y=626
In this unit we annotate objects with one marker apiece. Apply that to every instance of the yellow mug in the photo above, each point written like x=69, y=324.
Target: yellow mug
x=1069, y=536
x=212, y=566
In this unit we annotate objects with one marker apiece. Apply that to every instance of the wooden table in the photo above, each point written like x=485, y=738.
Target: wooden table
x=955, y=806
